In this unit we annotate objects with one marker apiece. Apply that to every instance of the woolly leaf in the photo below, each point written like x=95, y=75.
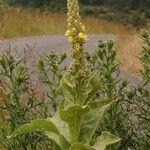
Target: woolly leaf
x=67, y=87
x=104, y=140
x=36, y=125
x=61, y=125
x=80, y=146
x=73, y=116
x=96, y=85
x=45, y=126
x=91, y=120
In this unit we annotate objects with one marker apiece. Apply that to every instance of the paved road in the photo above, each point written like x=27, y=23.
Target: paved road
x=58, y=43
x=54, y=42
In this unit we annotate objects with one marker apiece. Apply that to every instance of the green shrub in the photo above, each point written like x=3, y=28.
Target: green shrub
x=88, y=11
x=147, y=13
x=21, y=103
x=144, y=93
x=137, y=19
x=51, y=71
x=116, y=119
x=132, y=103
x=18, y=105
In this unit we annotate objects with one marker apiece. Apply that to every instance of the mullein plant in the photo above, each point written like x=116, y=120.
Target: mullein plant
x=77, y=118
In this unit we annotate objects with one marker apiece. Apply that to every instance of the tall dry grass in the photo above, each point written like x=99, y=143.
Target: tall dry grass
x=128, y=42
x=20, y=23
x=129, y=47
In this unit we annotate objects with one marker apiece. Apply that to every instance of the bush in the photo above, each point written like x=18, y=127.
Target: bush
x=88, y=11
x=147, y=13
x=131, y=102
x=21, y=100
x=137, y=19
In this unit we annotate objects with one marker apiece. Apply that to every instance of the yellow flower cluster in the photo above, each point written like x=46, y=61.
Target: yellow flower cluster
x=76, y=30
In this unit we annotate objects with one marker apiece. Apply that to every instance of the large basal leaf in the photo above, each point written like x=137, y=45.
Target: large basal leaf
x=67, y=87
x=73, y=116
x=104, y=140
x=36, y=125
x=61, y=125
x=80, y=146
x=55, y=138
x=60, y=141
x=91, y=120
x=55, y=146
x=43, y=125
x=64, y=143
x=63, y=130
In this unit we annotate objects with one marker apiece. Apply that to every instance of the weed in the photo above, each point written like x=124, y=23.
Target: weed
x=68, y=127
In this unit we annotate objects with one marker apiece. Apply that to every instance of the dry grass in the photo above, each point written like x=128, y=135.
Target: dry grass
x=129, y=48
x=129, y=43
x=21, y=23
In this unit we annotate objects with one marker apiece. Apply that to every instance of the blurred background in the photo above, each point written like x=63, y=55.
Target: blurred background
x=124, y=18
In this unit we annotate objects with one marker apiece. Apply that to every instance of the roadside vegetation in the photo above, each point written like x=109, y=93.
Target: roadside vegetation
x=83, y=106
x=131, y=13
x=22, y=19
x=18, y=22
x=25, y=97
x=47, y=110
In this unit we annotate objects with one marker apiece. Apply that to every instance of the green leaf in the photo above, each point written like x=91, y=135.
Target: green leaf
x=63, y=130
x=64, y=143
x=60, y=140
x=80, y=146
x=96, y=85
x=36, y=125
x=73, y=116
x=67, y=87
x=100, y=104
x=61, y=125
x=91, y=120
x=91, y=88
x=45, y=126
x=104, y=140
x=54, y=137
x=55, y=146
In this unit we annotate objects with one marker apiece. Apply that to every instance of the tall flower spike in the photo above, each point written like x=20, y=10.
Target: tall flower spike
x=78, y=70
x=75, y=30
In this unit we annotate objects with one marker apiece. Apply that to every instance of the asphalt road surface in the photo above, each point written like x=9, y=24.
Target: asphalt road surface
x=57, y=43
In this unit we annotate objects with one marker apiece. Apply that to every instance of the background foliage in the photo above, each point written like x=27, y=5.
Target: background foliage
x=129, y=12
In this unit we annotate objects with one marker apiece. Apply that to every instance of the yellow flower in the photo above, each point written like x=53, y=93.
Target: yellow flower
x=70, y=39
x=77, y=46
x=82, y=36
x=76, y=21
x=74, y=30
x=83, y=28
x=68, y=32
